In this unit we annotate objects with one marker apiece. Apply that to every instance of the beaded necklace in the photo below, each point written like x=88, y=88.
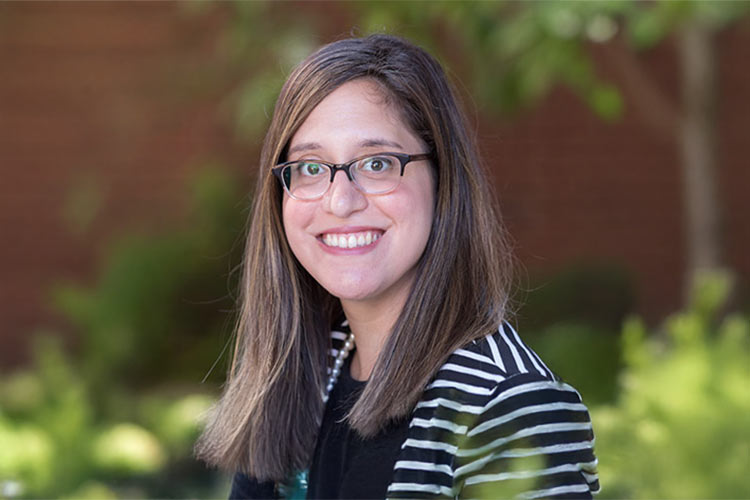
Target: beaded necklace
x=337, y=364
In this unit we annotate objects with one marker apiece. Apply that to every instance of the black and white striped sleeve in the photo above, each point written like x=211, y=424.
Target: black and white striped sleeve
x=532, y=439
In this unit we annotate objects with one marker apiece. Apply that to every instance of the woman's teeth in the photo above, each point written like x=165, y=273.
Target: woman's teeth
x=350, y=240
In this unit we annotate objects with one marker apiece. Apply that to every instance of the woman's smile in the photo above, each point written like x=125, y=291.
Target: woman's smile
x=350, y=239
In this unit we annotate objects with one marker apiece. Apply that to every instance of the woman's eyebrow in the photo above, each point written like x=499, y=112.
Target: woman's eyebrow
x=366, y=143
x=369, y=143
x=305, y=146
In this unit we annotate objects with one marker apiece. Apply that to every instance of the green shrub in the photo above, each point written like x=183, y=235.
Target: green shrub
x=681, y=426
x=127, y=448
x=587, y=357
x=55, y=444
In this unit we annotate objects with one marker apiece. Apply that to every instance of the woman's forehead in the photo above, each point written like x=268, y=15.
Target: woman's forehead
x=355, y=115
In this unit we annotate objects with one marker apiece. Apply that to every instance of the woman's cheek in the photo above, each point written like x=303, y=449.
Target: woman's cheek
x=296, y=216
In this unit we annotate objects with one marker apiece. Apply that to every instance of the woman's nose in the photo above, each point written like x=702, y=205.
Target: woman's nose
x=343, y=197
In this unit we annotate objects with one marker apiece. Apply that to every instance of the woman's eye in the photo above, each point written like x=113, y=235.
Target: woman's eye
x=310, y=169
x=376, y=164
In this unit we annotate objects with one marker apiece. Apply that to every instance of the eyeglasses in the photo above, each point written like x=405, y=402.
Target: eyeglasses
x=372, y=174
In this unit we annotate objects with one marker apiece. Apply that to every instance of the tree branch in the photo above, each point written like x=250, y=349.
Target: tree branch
x=650, y=102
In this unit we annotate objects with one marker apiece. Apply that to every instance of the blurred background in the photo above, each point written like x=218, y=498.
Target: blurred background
x=615, y=134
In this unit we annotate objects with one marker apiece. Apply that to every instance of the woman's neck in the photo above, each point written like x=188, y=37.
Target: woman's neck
x=368, y=346
x=371, y=322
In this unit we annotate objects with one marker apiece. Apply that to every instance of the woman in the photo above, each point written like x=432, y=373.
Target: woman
x=372, y=349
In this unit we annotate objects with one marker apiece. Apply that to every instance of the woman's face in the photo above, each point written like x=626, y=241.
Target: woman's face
x=353, y=121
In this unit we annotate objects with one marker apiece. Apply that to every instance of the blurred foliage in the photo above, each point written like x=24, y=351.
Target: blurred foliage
x=119, y=417
x=586, y=356
x=55, y=443
x=162, y=303
x=681, y=425
x=511, y=53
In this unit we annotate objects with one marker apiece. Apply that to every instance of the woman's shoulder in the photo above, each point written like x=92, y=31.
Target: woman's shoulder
x=494, y=368
x=528, y=417
x=491, y=402
x=495, y=358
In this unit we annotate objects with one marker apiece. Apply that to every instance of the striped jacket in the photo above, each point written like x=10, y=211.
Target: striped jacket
x=495, y=422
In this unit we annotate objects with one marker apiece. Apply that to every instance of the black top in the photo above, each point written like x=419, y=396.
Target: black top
x=247, y=487
x=344, y=464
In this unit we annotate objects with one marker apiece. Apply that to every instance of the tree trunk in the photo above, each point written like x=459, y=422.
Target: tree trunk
x=702, y=218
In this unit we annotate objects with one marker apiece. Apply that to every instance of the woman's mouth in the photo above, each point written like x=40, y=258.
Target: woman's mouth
x=350, y=240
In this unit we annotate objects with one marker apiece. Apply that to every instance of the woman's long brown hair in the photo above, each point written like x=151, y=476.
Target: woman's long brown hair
x=267, y=419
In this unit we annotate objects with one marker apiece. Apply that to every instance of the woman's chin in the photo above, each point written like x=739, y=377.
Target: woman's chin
x=352, y=294
x=365, y=289
x=358, y=289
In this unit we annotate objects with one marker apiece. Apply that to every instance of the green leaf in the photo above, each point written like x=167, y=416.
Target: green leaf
x=606, y=102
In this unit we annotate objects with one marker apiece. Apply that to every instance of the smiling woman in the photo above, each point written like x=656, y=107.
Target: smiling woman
x=373, y=354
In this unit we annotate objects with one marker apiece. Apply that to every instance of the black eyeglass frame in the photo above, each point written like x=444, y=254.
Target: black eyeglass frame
x=403, y=159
